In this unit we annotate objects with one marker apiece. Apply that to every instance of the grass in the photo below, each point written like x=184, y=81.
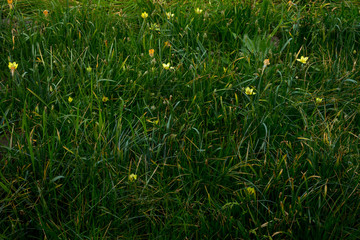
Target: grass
x=212, y=162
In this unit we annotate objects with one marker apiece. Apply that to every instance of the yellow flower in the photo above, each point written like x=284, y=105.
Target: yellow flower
x=266, y=62
x=198, y=11
x=144, y=15
x=249, y=91
x=70, y=99
x=132, y=177
x=13, y=66
x=105, y=99
x=166, y=66
x=151, y=52
x=45, y=12
x=303, y=59
x=169, y=15
x=167, y=44
x=88, y=69
x=10, y=2
x=250, y=190
x=318, y=100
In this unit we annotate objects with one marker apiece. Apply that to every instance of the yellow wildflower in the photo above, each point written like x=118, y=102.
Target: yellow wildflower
x=169, y=15
x=266, y=62
x=70, y=99
x=13, y=66
x=198, y=11
x=88, y=69
x=151, y=52
x=10, y=2
x=105, y=99
x=144, y=15
x=132, y=177
x=45, y=12
x=249, y=91
x=251, y=190
x=318, y=100
x=303, y=59
x=166, y=66
x=167, y=44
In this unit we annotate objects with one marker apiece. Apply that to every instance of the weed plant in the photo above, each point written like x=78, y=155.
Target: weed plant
x=180, y=119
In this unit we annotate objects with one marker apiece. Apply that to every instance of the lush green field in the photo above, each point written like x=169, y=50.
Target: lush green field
x=251, y=132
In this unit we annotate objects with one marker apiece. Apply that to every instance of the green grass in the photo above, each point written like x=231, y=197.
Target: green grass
x=197, y=142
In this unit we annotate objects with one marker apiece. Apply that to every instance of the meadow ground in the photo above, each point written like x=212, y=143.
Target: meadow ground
x=179, y=119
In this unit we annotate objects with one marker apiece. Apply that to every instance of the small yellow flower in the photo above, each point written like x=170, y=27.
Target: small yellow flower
x=10, y=2
x=13, y=66
x=132, y=177
x=249, y=91
x=167, y=44
x=318, y=100
x=70, y=99
x=166, y=66
x=198, y=11
x=266, y=62
x=251, y=190
x=151, y=52
x=303, y=59
x=169, y=15
x=45, y=12
x=144, y=15
x=89, y=69
x=105, y=99
x=354, y=52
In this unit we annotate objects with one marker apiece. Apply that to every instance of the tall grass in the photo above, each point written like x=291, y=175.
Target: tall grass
x=88, y=106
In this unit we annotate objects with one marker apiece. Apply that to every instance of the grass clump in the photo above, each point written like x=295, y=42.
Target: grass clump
x=195, y=120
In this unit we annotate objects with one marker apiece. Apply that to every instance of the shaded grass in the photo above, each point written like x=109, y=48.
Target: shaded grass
x=196, y=141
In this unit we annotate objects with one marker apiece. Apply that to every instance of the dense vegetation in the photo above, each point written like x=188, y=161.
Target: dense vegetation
x=180, y=120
